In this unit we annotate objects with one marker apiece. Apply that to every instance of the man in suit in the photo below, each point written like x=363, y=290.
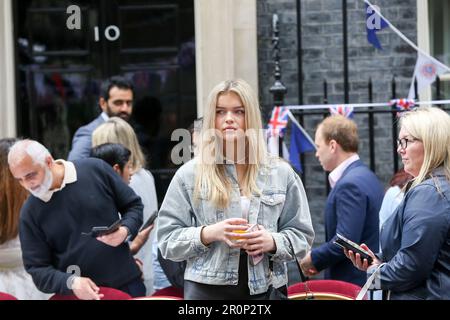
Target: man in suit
x=116, y=100
x=352, y=206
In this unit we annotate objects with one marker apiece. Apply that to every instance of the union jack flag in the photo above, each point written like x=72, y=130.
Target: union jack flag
x=402, y=105
x=346, y=111
x=278, y=121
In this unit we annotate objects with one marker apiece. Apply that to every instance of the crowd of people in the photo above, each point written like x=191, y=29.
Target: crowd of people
x=232, y=217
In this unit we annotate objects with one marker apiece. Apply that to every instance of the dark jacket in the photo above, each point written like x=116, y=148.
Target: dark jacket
x=351, y=210
x=415, y=242
x=82, y=140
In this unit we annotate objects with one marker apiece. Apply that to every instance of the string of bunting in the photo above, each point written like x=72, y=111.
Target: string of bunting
x=347, y=109
x=427, y=68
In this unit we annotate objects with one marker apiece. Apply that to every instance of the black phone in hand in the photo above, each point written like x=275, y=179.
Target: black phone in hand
x=343, y=242
x=103, y=231
x=150, y=220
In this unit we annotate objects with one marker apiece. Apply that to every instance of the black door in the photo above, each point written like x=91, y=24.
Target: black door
x=59, y=70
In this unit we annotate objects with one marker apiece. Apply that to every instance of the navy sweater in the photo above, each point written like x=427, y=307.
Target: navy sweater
x=51, y=233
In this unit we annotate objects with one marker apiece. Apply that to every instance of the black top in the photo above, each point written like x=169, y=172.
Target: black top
x=200, y=291
x=51, y=233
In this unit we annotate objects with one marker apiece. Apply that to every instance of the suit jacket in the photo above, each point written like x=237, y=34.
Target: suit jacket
x=82, y=140
x=351, y=210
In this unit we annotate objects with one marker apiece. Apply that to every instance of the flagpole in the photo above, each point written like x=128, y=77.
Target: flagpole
x=401, y=35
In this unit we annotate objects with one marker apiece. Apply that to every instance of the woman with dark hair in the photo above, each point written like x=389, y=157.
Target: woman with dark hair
x=117, y=156
x=13, y=278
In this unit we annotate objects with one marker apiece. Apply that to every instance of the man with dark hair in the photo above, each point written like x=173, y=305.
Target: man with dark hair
x=353, y=204
x=116, y=100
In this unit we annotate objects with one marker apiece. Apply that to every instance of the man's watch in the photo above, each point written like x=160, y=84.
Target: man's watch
x=71, y=280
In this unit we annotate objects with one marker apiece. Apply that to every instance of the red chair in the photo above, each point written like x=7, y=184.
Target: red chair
x=158, y=298
x=7, y=297
x=109, y=294
x=323, y=290
x=169, y=292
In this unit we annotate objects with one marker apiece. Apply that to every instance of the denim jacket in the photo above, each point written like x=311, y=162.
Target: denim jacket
x=282, y=208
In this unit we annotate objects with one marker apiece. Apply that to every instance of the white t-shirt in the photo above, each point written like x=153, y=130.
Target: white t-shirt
x=143, y=184
x=245, y=206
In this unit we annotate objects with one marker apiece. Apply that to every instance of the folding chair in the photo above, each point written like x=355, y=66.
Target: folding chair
x=323, y=290
x=158, y=298
x=7, y=297
x=109, y=294
x=169, y=291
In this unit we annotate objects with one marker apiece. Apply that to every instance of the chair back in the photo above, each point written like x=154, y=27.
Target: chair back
x=7, y=297
x=169, y=291
x=158, y=298
x=323, y=290
x=109, y=294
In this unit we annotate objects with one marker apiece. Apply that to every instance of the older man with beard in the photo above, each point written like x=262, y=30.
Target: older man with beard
x=116, y=100
x=68, y=199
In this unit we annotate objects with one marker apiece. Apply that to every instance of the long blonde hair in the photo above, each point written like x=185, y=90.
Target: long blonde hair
x=432, y=127
x=117, y=130
x=12, y=196
x=211, y=179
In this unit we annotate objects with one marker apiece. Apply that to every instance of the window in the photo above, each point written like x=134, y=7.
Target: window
x=439, y=17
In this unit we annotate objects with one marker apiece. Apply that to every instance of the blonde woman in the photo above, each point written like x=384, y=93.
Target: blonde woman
x=234, y=186
x=116, y=130
x=415, y=239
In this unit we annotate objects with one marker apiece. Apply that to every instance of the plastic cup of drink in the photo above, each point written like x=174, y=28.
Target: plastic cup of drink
x=238, y=231
x=250, y=228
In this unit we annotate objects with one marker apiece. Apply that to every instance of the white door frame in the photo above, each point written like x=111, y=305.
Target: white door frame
x=8, y=127
x=423, y=38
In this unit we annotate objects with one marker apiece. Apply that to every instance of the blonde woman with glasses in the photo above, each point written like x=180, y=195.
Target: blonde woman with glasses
x=234, y=213
x=116, y=130
x=415, y=240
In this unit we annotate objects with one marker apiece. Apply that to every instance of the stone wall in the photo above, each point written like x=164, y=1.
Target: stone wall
x=322, y=57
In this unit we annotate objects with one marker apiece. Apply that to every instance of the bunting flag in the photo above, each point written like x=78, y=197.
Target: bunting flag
x=273, y=146
x=278, y=121
x=426, y=71
x=374, y=23
x=300, y=143
x=427, y=67
x=273, y=143
x=402, y=105
x=343, y=110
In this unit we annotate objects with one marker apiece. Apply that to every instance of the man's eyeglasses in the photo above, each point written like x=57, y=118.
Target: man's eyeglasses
x=403, y=143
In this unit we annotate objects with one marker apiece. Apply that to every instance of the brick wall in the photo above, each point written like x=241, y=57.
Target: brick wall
x=322, y=56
